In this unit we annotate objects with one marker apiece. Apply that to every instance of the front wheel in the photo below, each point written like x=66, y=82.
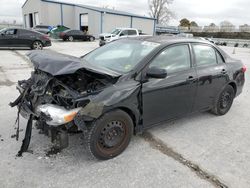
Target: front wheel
x=109, y=135
x=224, y=101
x=37, y=45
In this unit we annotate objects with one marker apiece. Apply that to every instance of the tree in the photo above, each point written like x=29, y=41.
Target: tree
x=184, y=23
x=212, y=25
x=226, y=24
x=159, y=9
x=193, y=24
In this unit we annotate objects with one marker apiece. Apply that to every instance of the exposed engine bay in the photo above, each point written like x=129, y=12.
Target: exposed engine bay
x=64, y=90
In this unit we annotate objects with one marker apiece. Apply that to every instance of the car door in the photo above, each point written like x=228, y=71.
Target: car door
x=8, y=38
x=172, y=97
x=212, y=75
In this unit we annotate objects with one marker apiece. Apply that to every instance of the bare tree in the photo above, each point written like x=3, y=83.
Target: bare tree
x=159, y=9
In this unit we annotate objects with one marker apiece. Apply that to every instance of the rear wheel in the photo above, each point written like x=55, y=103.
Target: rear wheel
x=37, y=45
x=224, y=101
x=91, y=39
x=71, y=38
x=109, y=135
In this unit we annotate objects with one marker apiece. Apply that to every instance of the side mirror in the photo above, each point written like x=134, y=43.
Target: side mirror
x=2, y=34
x=155, y=72
x=122, y=34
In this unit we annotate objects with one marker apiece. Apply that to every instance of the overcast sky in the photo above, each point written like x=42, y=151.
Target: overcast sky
x=203, y=12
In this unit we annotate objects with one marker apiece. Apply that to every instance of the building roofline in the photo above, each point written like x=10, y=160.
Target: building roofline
x=97, y=9
x=24, y=3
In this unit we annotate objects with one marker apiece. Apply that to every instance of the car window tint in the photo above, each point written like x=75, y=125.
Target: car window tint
x=204, y=55
x=132, y=32
x=124, y=33
x=10, y=32
x=219, y=58
x=173, y=59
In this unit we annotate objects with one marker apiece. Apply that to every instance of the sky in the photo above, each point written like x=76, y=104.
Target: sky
x=200, y=11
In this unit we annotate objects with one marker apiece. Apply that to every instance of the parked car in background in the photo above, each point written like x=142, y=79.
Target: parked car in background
x=72, y=35
x=16, y=37
x=43, y=28
x=126, y=87
x=119, y=33
x=55, y=32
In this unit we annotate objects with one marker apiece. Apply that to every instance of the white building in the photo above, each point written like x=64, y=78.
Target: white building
x=93, y=19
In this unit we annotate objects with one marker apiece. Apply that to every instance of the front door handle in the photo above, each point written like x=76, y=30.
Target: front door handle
x=223, y=71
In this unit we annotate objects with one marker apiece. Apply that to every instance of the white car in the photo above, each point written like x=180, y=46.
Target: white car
x=119, y=33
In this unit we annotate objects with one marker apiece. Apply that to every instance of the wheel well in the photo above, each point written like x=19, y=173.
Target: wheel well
x=234, y=86
x=131, y=114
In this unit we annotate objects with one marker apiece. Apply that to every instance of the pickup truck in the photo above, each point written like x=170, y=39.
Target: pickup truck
x=119, y=33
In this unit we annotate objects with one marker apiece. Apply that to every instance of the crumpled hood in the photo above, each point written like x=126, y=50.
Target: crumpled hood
x=60, y=64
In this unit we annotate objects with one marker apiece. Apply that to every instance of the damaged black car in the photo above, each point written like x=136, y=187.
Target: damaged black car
x=124, y=88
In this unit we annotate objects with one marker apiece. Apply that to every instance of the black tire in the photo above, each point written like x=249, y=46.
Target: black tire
x=37, y=45
x=109, y=135
x=224, y=101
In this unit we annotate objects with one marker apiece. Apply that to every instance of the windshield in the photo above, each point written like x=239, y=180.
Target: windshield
x=120, y=56
x=116, y=32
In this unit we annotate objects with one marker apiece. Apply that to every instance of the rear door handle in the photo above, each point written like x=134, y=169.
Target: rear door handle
x=223, y=71
x=190, y=79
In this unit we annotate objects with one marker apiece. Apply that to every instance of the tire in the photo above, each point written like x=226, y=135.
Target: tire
x=37, y=45
x=91, y=39
x=109, y=135
x=224, y=102
x=71, y=39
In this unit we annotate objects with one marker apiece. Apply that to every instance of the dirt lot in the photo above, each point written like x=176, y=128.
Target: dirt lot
x=198, y=151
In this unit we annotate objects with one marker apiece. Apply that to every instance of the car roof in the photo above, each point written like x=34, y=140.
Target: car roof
x=169, y=39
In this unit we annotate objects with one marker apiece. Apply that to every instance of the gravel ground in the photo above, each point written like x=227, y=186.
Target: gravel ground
x=178, y=155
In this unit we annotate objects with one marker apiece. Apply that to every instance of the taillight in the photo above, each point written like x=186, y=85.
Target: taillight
x=45, y=37
x=244, y=69
x=62, y=34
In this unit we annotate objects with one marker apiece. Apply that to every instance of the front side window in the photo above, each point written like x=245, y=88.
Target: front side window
x=124, y=33
x=204, y=55
x=173, y=59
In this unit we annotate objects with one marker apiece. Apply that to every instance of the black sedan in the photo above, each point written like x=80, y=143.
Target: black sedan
x=72, y=35
x=17, y=37
x=126, y=87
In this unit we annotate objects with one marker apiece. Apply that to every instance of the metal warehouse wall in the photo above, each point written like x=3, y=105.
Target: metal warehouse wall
x=52, y=13
x=94, y=20
x=112, y=21
x=69, y=16
x=146, y=25
x=32, y=7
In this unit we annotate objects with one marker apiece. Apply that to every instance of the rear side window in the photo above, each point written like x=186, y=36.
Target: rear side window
x=173, y=59
x=132, y=32
x=204, y=55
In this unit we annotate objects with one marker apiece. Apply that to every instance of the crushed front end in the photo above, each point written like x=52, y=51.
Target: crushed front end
x=54, y=102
